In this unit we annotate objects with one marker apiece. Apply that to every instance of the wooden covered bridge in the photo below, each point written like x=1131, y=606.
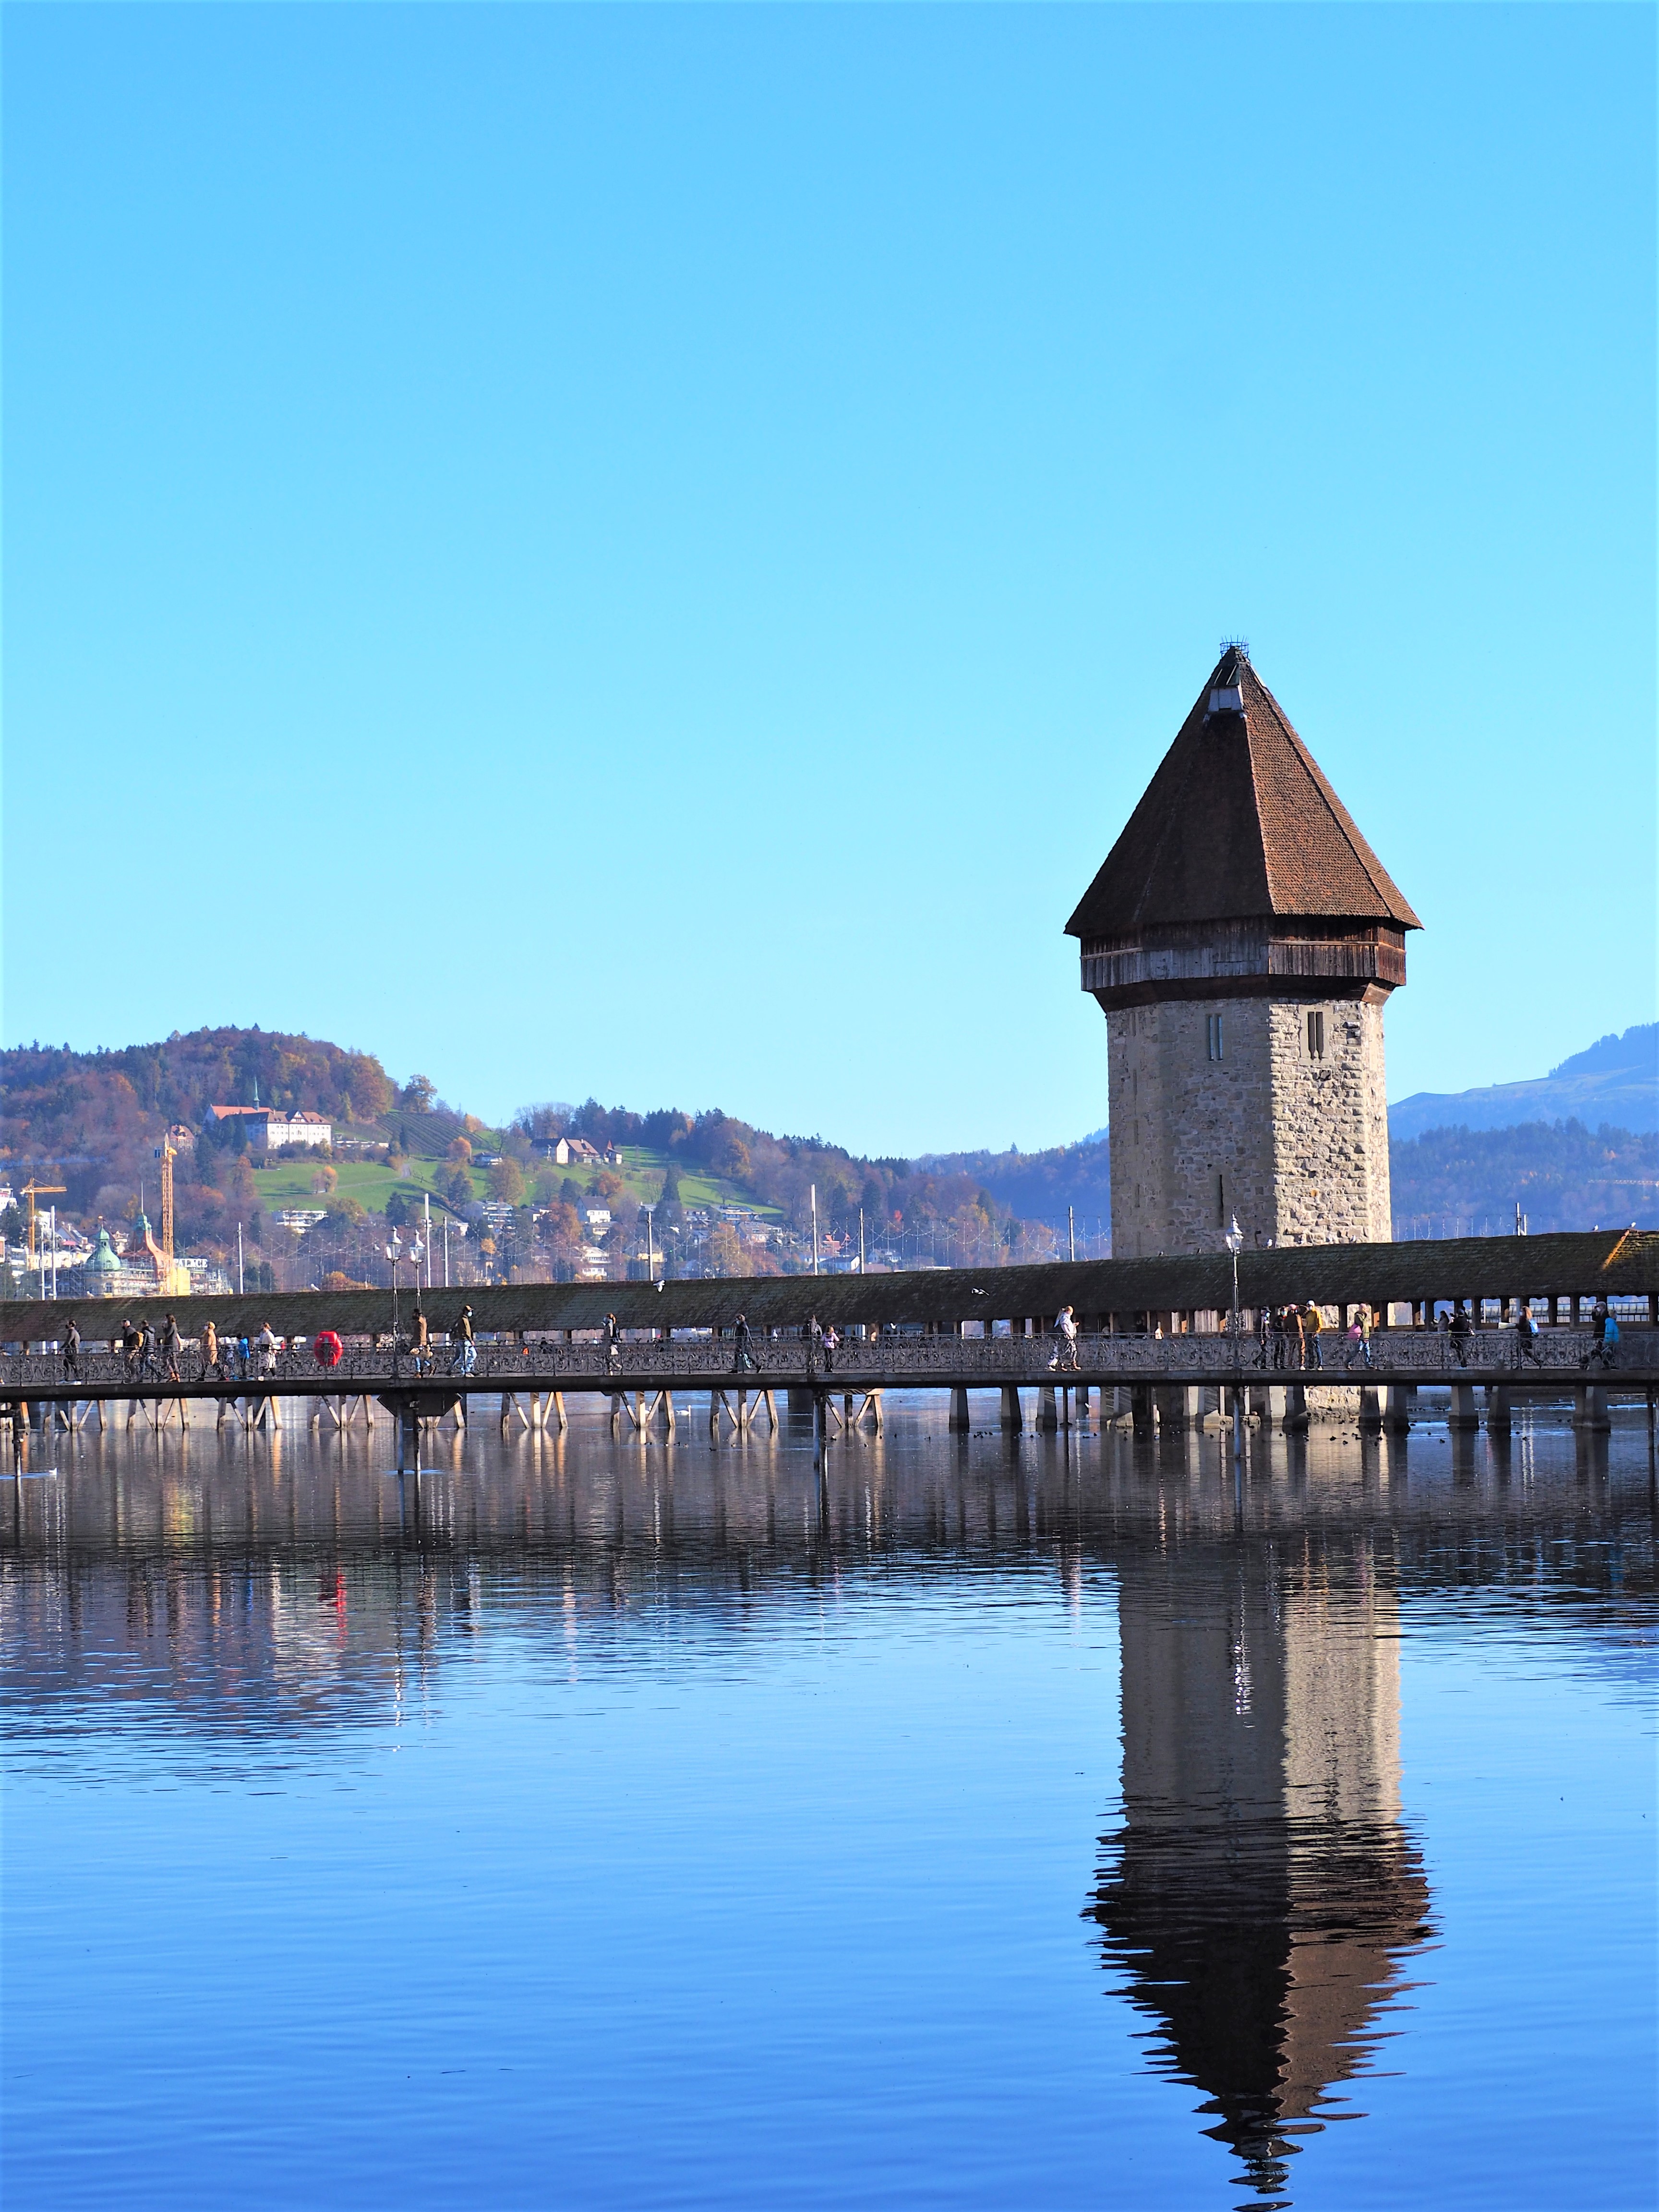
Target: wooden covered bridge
x=1160, y=1330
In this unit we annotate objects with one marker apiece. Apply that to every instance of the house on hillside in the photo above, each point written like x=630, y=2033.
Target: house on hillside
x=563, y=1151
x=269, y=1128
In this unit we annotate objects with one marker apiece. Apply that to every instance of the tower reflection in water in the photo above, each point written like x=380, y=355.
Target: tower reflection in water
x=1262, y=1896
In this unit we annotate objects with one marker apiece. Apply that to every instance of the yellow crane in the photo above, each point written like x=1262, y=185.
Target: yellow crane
x=32, y=1191
x=171, y=1278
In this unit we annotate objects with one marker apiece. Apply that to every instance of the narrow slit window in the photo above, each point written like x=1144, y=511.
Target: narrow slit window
x=1213, y=1036
x=1316, y=1037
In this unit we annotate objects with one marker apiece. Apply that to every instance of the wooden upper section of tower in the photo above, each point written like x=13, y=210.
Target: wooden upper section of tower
x=1240, y=869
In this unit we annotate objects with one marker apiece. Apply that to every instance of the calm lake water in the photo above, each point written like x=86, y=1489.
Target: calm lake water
x=980, y=1822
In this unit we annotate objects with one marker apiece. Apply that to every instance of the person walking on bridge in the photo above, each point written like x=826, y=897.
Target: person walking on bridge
x=1460, y=1335
x=466, y=1346
x=1359, y=1337
x=612, y=1342
x=1065, y=1357
x=1526, y=1337
x=267, y=1351
x=743, y=1359
x=1604, y=1338
x=1312, y=1324
x=172, y=1343
x=71, y=1354
x=1279, y=1334
x=420, y=1343
x=146, y=1351
x=209, y=1352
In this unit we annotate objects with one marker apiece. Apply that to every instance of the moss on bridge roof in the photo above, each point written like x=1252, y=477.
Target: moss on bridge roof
x=1585, y=1264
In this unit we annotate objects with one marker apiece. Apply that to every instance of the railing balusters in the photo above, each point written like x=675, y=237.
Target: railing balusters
x=891, y=1360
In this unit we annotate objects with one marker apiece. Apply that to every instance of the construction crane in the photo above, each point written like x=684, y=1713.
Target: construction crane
x=32, y=1191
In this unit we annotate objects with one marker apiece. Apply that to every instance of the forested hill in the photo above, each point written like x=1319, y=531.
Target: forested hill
x=68, y=1100
x=1468, y=1182
x=1040, y=1186
x=91, y=1122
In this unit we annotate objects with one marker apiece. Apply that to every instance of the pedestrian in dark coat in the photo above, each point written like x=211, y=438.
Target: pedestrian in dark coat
x=466, y=1349
x=1459, y=1334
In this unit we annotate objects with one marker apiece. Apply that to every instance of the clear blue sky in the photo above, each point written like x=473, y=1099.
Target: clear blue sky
x=652, y=552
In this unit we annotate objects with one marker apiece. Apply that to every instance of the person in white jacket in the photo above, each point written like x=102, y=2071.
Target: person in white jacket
x=1065, y=1345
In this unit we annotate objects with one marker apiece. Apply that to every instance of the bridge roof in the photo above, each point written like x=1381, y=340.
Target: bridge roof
x=1238, y=824
x=1604, y=1262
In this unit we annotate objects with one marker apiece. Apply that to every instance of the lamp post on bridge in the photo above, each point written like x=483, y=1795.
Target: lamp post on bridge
x=394, y=1252
x=1234, y=1241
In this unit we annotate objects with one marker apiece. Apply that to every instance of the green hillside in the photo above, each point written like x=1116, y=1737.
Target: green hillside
x=289, y=1183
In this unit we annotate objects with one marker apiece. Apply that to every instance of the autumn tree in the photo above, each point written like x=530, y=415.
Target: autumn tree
x=726, y=1251
x=507, y=1181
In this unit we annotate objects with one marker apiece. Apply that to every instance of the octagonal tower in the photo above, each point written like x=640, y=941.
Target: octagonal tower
x=1242, y=939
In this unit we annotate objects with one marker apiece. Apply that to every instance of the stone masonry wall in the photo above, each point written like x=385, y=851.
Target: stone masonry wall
x=1330, y=1126
x=1295, y=1142
x=1190, y=1136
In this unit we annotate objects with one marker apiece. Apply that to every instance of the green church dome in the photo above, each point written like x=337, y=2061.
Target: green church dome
x=104, y=1261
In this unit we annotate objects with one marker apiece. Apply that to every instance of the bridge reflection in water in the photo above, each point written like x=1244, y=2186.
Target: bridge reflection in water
x=1262, y=1892
x=1262, y=1901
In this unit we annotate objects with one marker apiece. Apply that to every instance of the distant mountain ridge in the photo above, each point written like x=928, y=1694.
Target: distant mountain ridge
x=1569, y=1149
x=1615, y=1081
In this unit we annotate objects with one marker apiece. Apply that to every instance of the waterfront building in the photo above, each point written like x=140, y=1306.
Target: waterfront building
x=105, y=1274
x=102, y=1277
x=1242, y=939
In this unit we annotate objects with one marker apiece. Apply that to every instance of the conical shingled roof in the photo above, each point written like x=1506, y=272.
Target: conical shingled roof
x=1238, y=822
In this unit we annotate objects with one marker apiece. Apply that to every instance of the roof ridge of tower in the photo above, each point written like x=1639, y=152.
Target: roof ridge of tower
x=1381, y=884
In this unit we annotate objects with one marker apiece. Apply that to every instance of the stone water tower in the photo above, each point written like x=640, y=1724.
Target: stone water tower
x=1242, y=939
